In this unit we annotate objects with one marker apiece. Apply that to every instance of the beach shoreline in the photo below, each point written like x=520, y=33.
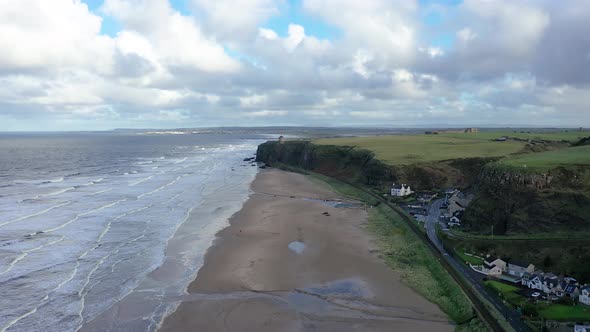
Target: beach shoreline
x=294, y=260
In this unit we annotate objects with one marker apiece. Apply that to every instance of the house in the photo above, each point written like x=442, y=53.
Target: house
x=581, y=328
x=526, y=277
x=584, y=296
x=450, y=191
x=457, y=203
x=400, y=190
x=535, y=281
x=550, y=283
x=494, y=265
x=518, y=269
x=572, y=290
x=491, y=261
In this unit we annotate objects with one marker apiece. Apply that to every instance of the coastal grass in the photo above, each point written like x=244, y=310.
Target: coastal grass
x=412, y=149
x=474, y=325
x=419, y=269
x=572, y=156
x=468, y=258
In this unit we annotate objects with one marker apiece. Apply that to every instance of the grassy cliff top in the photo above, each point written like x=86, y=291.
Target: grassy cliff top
x=573, y=156
x=411, y=149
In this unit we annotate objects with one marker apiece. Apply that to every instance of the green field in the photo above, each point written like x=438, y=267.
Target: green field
x=501, y=287
x=411, y=149
x=570, y=136
x=563, y=312
x=469, y=259
x=548, y=311
x=573, y=156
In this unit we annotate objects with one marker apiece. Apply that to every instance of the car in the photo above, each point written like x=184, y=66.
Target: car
x=536, y=294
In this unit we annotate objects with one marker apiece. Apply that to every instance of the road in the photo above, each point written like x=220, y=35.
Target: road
x=476, y=279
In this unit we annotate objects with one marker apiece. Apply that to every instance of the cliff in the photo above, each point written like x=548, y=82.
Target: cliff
x=508, y=199
x=361, y=166
x=521, y=201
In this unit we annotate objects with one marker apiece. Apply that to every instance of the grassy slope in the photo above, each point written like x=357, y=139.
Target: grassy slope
x=404, y=252
x=574, y=156
x=410, y=149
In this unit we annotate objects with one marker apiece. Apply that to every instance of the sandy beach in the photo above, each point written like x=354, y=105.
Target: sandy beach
x=291, y=261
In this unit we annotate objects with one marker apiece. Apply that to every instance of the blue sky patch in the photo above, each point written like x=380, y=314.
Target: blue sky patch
x=294, y=13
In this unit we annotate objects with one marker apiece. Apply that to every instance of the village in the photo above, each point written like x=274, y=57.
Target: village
x=518, y=284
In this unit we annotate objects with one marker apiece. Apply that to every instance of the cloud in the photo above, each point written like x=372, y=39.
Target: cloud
x=272, y=62
x=44, y=36
x=266, y=113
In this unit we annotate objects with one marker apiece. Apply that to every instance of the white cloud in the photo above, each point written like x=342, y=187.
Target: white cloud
x=296, y=36
x=177, y=41
x=51, y=35
x=433, y=52
x=267, y=33
x=266, y=113
x=466, y=35
x=236, y=19
x=509, y=59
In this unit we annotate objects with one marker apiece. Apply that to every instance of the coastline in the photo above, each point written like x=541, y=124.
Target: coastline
x=290, y=261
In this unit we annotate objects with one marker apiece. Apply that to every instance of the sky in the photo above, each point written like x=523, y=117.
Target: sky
x=104, y=64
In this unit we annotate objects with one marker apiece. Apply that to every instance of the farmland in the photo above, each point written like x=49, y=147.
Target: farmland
x=573, y=156
x=412, y=149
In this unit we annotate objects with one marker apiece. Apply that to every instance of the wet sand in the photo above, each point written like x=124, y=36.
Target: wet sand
x=290, y=262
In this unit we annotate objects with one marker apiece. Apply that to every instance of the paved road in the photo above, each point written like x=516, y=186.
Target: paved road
x=476, y=279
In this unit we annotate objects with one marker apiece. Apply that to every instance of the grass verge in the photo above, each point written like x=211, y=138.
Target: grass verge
x=419, y=269
x=469, y=259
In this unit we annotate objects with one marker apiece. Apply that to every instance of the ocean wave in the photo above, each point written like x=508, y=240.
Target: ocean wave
x=34, y=214
x=39, y=181
x=59, y=192
x=131, y=184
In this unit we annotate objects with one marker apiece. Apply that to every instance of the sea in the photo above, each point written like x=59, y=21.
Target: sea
x=105, y=230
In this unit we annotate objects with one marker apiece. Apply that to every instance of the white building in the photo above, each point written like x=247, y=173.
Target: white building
x=400, y=190
x=585, y=295
x=518, y=269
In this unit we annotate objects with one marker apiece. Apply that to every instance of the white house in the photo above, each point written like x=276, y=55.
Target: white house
x=518, y=269
x=585, y=295
x=400, y=190
x=535, y=281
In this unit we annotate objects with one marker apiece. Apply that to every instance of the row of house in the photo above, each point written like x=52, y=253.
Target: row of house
x=455, y=204
x=524, y=273
x=556, y=286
